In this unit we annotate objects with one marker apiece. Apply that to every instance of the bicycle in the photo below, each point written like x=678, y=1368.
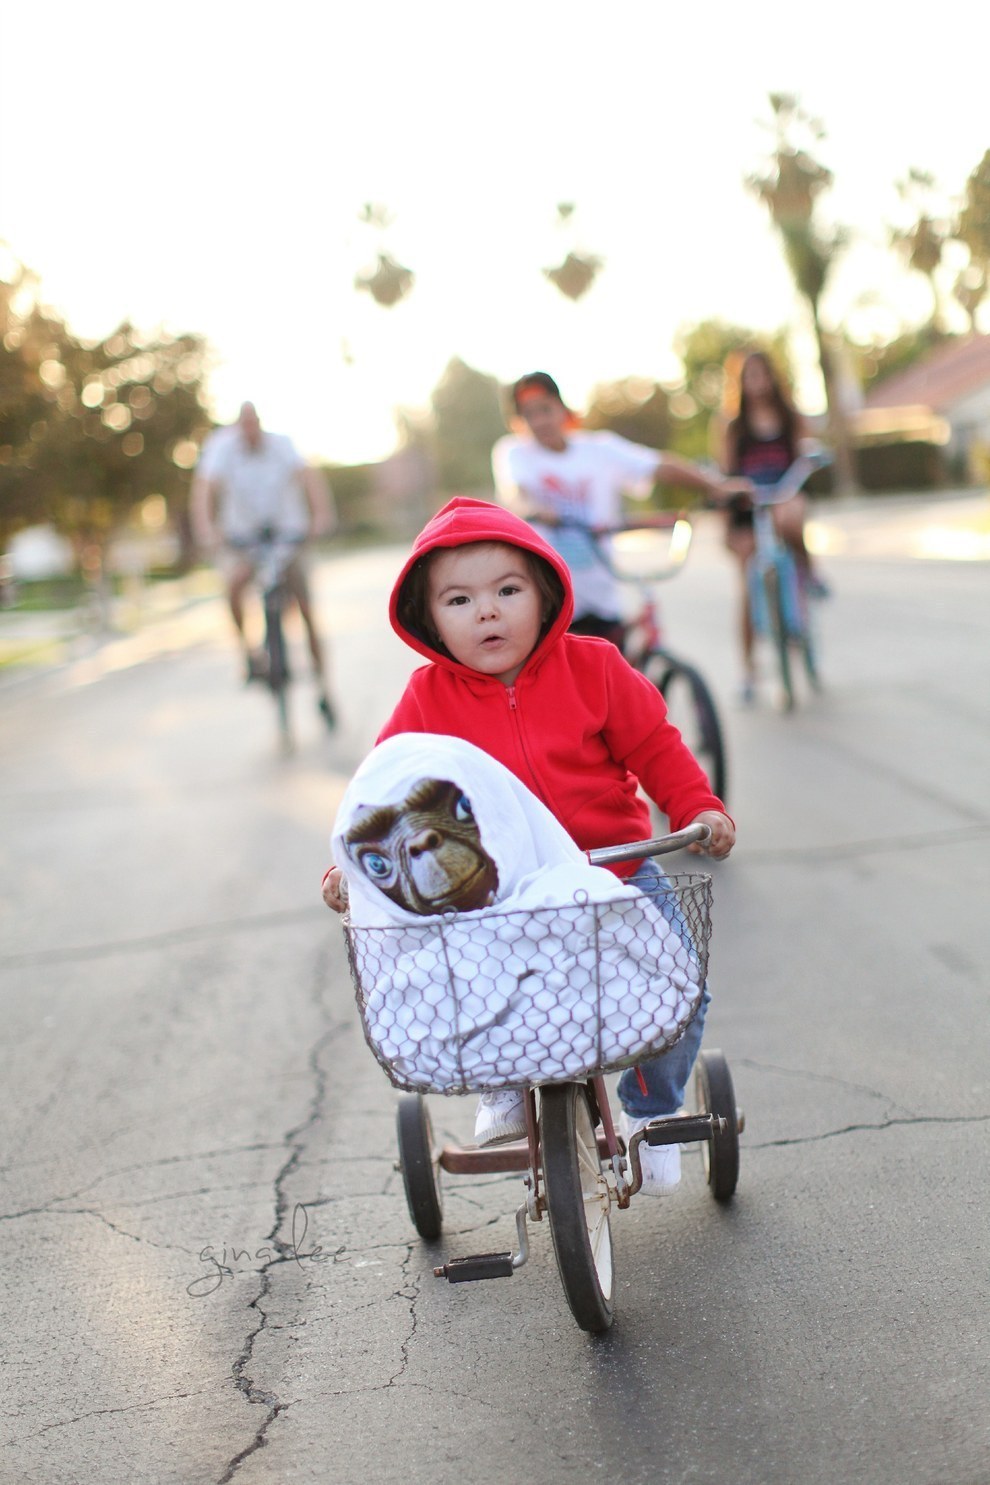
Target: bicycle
x=641, y=553
x=576, y=1165
x=779, y=599
x=271, y=556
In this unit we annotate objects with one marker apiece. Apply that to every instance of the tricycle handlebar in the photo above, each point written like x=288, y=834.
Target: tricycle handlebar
x=661, y=846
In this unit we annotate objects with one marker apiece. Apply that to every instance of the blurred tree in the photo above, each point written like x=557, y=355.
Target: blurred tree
x=89, y=430
x=973, y=229
x=576, y=274
x=32, y=344
x=388, y=281
x=970, y=290
x=467, y=420
x=875, y=361
x=634, y=407
x=696, y=402
x=923, y=242
x=129, y=424
x=790, y=189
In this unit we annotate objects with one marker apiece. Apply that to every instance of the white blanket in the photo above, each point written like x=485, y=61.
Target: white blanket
x=562, y=970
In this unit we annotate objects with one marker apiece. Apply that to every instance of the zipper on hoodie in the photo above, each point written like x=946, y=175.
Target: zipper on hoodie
x=538, y=789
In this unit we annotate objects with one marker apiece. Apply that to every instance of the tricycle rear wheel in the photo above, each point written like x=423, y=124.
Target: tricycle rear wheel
x=420, y=1173
x=716, y=1096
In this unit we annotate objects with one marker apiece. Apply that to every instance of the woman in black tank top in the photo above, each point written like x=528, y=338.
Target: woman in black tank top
x=760, y=442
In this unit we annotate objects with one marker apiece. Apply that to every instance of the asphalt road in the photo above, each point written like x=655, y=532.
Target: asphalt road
x=209, y=1270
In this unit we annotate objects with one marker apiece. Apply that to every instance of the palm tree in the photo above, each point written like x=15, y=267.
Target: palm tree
x=388, y=281
x=790, y=189
x=578, y=271
x=973, y=229
x=923, y=243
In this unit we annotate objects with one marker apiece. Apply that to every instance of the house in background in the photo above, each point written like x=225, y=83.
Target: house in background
x=947, y=391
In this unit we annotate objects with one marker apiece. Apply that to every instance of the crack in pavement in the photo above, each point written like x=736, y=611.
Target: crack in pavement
x=126, y=1170
x=441, y=1391
x=157, y=1402
x=119, y=1231
x=411, y=1293
x=192, y=933
x=295, y=1140
x=893, y=1123
x=904, y=1118
x=809, y=1075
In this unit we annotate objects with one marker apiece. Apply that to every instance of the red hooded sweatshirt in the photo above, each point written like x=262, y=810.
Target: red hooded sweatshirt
x=580, y=727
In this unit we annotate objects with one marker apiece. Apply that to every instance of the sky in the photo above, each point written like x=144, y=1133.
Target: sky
x=202, y=167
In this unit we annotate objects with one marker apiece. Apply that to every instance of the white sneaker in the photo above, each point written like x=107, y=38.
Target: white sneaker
x=501, y=1118
x=661, y=1163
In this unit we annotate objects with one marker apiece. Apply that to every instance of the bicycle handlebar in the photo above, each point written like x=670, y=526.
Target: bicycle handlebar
x=676, y=523
x=662, y=845
x=791, y=480
x=265, y=536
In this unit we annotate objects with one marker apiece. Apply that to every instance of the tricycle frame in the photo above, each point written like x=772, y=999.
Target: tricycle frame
x=576, y=1164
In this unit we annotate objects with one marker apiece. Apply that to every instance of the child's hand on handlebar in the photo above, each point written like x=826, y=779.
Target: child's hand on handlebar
x=335, y=890
x=723, y=835
x=733, y=488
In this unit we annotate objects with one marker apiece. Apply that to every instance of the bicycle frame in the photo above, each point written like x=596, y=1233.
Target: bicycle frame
x=773, y=555
x=635, y=556
x=629, y=558
x=271, y=556
x=777, y=587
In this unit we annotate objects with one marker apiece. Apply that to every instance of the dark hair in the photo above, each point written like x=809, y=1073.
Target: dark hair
x=740, y=426
x=541, y=381
x=413, y=607
x=779, y=391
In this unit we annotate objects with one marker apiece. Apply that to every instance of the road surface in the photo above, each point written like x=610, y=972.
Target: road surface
x=210, y=1272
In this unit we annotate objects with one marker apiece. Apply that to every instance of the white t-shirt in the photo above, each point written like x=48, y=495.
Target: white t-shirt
x=258, y=487
x=583, y=482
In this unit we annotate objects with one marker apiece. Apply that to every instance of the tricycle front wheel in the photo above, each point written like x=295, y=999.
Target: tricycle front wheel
x=578, y=1201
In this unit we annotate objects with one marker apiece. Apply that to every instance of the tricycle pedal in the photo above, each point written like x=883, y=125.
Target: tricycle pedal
x=477, y=1266
x=679, y=1128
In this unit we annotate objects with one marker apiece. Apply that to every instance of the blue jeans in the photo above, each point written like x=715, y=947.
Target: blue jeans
x=666, y=1076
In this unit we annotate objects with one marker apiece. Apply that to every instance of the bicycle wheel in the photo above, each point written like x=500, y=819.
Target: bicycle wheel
x=808, y=639
x=778, y=634
x=420, y=1173
x=692, y=710
x=278, y=666
x=578, y=1202
x=713, y=1084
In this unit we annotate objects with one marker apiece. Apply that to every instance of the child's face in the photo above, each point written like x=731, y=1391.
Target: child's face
x=486, y=607
x=546, y=418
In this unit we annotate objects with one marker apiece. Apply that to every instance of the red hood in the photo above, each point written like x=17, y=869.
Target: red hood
x=462, y=521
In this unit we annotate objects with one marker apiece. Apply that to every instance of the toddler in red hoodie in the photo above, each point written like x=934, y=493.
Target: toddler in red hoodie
x=487, y=603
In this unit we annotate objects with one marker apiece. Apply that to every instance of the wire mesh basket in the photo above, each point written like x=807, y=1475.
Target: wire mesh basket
x=485, y=1000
